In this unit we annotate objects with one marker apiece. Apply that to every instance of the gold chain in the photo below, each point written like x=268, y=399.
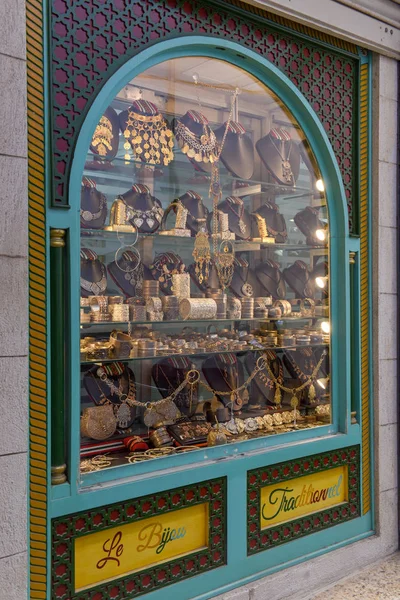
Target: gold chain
x=309, y=381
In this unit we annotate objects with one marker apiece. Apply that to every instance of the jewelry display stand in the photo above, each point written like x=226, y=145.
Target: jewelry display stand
x=281, y=155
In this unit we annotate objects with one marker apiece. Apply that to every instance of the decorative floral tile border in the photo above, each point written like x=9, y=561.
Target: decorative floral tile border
x=262, y=539
x=66, y=529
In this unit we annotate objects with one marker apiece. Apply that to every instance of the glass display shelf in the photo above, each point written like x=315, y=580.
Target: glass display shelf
x=199, y=354
x=187, y=323
x=177, y=175
x=113, y=239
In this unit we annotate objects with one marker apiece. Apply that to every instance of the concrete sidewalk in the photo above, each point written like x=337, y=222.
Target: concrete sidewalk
x=380, y=581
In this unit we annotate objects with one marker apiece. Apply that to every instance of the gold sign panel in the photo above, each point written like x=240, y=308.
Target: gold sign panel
x=286, y=501
x=107, y=555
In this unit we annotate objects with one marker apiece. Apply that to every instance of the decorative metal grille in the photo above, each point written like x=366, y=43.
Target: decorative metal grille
x=91, y=39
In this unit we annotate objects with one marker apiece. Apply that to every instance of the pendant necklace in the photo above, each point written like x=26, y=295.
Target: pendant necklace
x=239, y=214
x=96, y=287
x=225, y=253
x=122, y=411
x=89, y=216
x=287, y=174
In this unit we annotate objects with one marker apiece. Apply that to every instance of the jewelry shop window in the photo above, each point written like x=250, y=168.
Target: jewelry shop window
x=204, y=316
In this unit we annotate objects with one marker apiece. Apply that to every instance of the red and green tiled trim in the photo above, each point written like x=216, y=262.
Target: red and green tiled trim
x=66, y=529
x=263, y=539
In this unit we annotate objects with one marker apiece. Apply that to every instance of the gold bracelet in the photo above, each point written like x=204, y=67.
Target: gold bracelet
x=307, y=312
x=285, y=307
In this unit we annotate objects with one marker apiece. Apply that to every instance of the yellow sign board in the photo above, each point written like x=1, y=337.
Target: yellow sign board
x=286, y=501
x=112, y=553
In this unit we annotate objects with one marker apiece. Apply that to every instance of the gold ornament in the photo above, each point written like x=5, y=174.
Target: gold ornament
x=156, y=135
x=311, y=393
x=103, y=136
x=278, y=396
x=216, y=437
x=202, y=256
x=224, y=262
x=294, y=401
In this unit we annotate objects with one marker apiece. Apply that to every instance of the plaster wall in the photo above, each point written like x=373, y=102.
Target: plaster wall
x=14, y=294
x=303, y=581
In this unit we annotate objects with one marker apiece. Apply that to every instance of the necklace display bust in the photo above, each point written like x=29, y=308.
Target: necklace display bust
x=280, y=155
x=93, y=274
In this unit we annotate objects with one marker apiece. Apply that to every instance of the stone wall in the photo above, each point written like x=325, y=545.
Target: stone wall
x=13, y=311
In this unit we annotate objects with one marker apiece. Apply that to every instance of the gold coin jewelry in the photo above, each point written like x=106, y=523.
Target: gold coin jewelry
x=103, y=136
x=201, y=148
x=148, y=135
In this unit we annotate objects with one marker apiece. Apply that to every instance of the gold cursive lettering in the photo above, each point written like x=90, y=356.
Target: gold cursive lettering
x=150, y=535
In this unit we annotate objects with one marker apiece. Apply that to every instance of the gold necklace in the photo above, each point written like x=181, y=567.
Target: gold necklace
x=225, y=254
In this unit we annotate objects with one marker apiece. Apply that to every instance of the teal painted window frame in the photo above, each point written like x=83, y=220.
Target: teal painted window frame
x=131, y=481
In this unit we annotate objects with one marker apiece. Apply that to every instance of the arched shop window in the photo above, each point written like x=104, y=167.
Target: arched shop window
x=204, y=272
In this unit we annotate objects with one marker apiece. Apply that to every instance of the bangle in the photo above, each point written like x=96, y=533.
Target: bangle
x=285, y=307
x=307, y=311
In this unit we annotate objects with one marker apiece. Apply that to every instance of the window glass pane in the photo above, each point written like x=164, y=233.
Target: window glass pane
x=204, y=268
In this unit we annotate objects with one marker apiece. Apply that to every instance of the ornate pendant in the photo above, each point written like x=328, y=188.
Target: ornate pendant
x=123, y=416
x=87, y=215
x=224, y=260
x=242, y=226
x=202, y=256
x=287, y=174
x=138, y=222
x=165, y=412
x=278, y=396
x=247, y=289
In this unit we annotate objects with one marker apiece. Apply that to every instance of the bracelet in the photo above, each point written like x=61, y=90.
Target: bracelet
x=285, y=307
x=307, y=312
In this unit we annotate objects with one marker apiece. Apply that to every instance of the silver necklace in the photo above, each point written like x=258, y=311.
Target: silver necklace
x=239, y=213
x=287, y=174
x=89, y=216
x=140, y=216
x=95, y=287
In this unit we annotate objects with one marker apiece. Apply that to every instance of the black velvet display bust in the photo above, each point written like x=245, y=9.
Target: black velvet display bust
x=240, y=286
x=144, y=211
x=93, y=274
x=239, y=219
x=168, y=374
x=197, y=211
x=274, y=220
x=298, y=277
x=270, y=277
x=238, y=151
x=130, y=274
x=100, y=393
x=93, y=205
x=281, y=155
x=198, y=125
x=224, y=372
